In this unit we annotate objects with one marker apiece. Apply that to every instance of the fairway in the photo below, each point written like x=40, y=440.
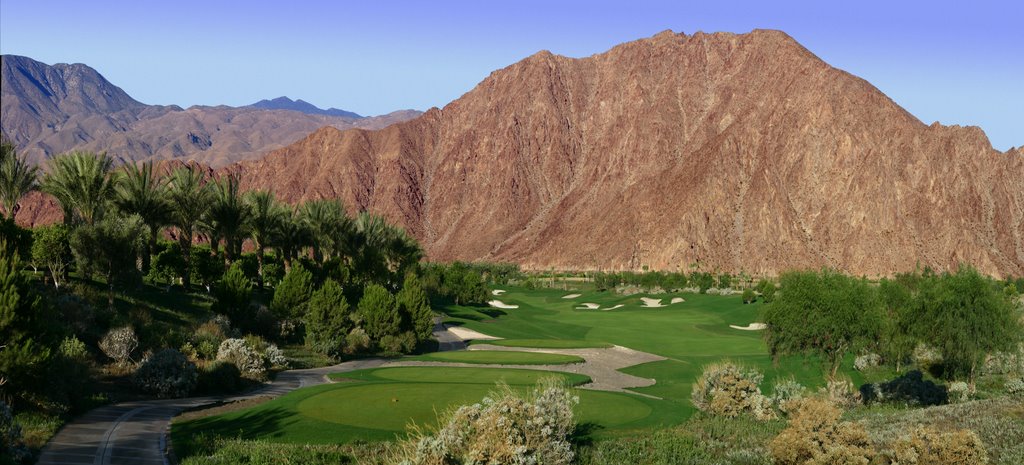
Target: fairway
x=494, y=357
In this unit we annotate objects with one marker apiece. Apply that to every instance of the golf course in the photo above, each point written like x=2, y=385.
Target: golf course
x=547, y=335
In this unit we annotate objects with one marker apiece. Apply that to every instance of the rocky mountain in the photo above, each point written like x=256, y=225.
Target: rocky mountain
x=48, y=110
x=285, y=103
x=732, y=152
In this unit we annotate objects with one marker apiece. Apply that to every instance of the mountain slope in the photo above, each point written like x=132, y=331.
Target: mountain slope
x=285, y=103
x=738, y=152
x=48, y=110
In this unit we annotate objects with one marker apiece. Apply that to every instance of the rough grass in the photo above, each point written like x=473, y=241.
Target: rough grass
x=498, y=357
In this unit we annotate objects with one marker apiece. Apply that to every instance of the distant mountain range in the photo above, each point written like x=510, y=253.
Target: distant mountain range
x=46, y=110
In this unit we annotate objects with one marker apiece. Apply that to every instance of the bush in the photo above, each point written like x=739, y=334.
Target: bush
x=275, y=357
x=292, y=293
x=928, y=446
x=328, y=320
x=840, y=391
x=815, y=436
x=1015, y=387
x=503, y=428
x=729, y=390
x=243, y=356
x=786, y=393
x=960, y=391
x=166, y=374
x=767, y=290
x=910, y=389
x=926, y=357
x=232, y=295
x=219, y=377
x=357, y=341
x=119, y=343
x=748, y=296
x=12, y=447
x=379, y=312
x=865, y=361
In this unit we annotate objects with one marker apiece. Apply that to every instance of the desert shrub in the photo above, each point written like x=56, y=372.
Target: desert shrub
x=243, y=356
x=218, y=378
x=231, y=296
x=748, y=296
x=865, y=361
x=910, y=389
x=656, y=448
x=928, y=446
x=841, y=392
x=291, y=295
x=785, y=394
x=926, y=357
x=1004, y=362
x=767, y=290
x=1015, y=387
x=357, y=341
x=12, y=448
x=815, y=436
x=504, y=427
x=72, y=348
x=275, y=356
x=959, y=391
x=730, y=390
x=119, y=343
x=166, y=374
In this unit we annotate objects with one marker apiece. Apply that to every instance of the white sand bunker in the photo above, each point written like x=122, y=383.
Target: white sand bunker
x=467, y=334
x=588, y=306
x=571, y=296
x=613, y=308
x=500, y=304
x=750, y=327
x=677, y=300
x=651, y=303
x=498, y=292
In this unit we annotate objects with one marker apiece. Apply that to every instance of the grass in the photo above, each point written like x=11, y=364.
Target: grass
x=546, y=343
x=378, y=404
x=498, y=357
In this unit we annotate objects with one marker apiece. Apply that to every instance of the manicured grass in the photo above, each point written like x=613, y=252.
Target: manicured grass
x=498, y=357
x=546, y=343
x=378, y=404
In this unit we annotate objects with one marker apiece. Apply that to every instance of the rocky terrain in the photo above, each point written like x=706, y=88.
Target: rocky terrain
x=48, y=110
x=737, y=152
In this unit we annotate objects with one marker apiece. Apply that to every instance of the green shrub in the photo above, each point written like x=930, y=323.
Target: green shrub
x=328, y=320
x=379, y=313
x=220, y=377
x=748, y=296
x=657, y=448
x=786, y=393
x=12, y=447
x=767, y=290
x=291, y=295
x=232, y=296
x=166, y=374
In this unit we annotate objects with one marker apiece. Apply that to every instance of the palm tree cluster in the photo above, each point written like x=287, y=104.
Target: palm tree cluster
x=193, y=205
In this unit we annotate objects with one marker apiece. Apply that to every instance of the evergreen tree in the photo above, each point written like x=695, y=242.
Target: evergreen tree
x=292, y=293
x=328, y=320
x=379, y=313
x=415, y=308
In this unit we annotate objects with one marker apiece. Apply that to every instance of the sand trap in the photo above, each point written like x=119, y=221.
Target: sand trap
x=500, y=304
x=571, y=296
x=651, y=303
x=588, y=306
x=677, y=300
x=613, y=308
x=498, y=292
x=467, y=334
x=750, y=327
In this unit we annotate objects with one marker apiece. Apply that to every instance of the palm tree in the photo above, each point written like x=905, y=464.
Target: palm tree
x=329, y=227
x=266, y=217
x=189, y=199
x=228, y=216
x=83, y=184
x=142, y=193
x=381, y=251
x=17, y=178
x=290, y=236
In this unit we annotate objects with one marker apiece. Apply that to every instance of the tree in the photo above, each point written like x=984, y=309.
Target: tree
x=142, y=193
x=328, y=227
x=23, y=324
x=381, y=252
x=228, y=217
x=51, y=250
x=966, y=317
x=767, y=290
x=292, y=293
x=110, y=247
x=290, y=237
x=232, y=294
x=898, y=340
x=414, y=307
x=748, y=296
x=329, y=319
x=826, y=314
x=83, y=184
x=265, y=220
x=189, y=200
x=379, y=313
x=17, y=178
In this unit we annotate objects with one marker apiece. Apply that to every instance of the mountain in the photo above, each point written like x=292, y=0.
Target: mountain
x=731, y=152
x=48, y=110
x=285, y=103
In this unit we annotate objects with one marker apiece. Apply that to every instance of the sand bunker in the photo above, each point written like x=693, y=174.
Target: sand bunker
x=571, y=296
x=613, y=308
x=750, y=327
x=588, y=306
x=498, y=292
x=651, y=303
x=677, y=300
x=500, y=304
x=467, y=334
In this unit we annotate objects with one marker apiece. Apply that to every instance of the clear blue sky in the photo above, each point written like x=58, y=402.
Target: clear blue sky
x=954, y=62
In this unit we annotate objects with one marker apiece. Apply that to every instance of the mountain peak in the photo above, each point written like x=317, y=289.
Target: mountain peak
x=285, y=103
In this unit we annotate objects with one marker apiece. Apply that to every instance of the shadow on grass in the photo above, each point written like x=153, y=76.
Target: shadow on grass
x=252, y=424
x=583, y=435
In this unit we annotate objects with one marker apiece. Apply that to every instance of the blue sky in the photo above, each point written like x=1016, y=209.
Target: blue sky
x=953, y=62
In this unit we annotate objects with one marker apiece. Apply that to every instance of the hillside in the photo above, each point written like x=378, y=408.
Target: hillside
x=737, y=152
x=47, y=110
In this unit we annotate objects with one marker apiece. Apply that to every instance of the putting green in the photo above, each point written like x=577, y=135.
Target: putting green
x=498, y=357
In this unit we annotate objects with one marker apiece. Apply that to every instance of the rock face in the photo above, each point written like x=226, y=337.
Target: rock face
x=738, y=152
x=48, y=110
